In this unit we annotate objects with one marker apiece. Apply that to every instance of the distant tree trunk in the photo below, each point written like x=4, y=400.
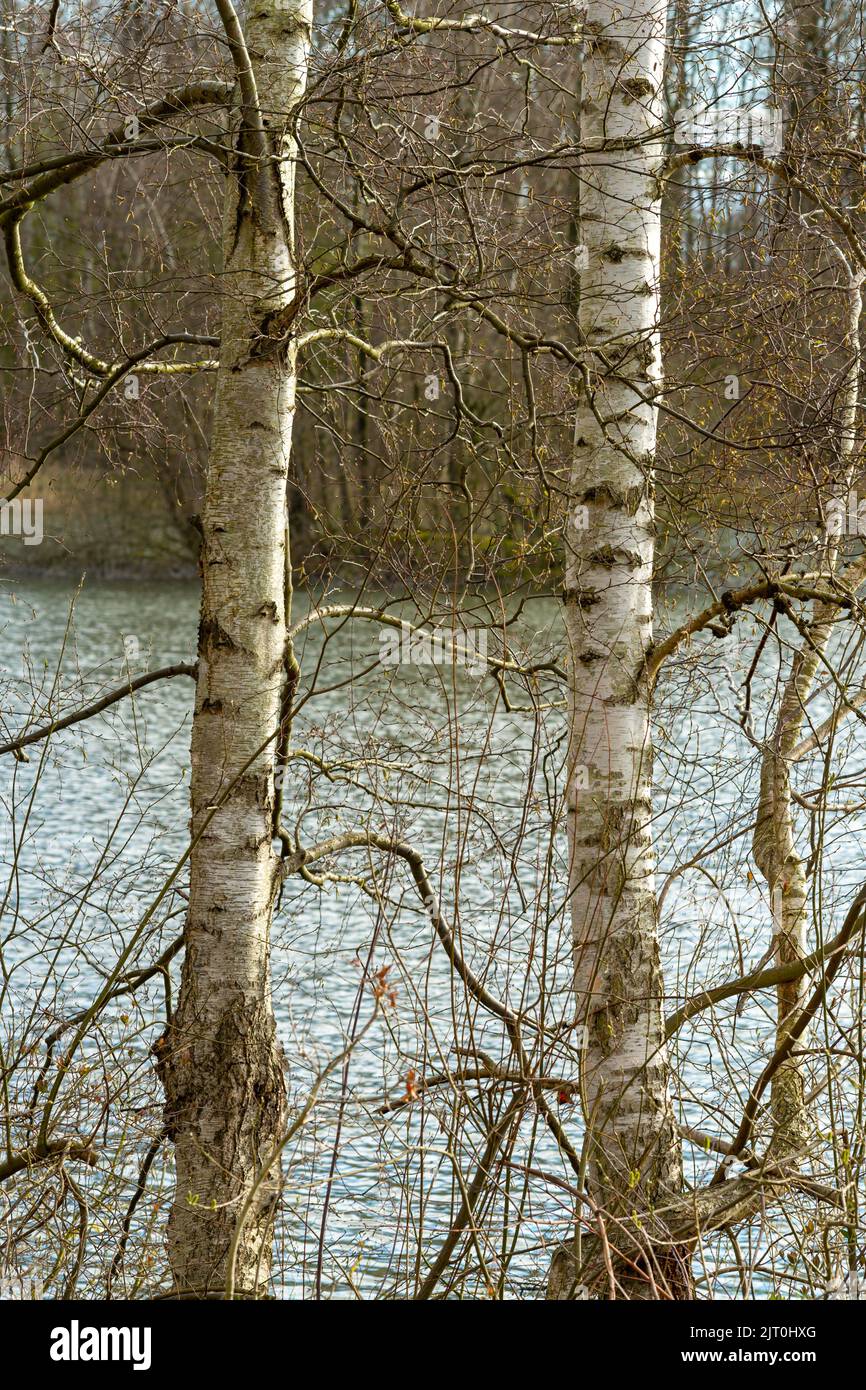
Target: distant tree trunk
x=633, y=1142
x=815, y=116
x=803, y=78
x=361, y=431
x=220, y=1061
x=675, y=205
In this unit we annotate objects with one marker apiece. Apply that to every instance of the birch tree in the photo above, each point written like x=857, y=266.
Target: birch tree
x=222, y=1067
x=632, y=1147
x=411, y=266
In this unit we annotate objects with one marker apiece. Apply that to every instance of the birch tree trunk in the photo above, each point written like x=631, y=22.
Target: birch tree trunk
x=774, y=841
x=220, y=1061
x=634, y=1157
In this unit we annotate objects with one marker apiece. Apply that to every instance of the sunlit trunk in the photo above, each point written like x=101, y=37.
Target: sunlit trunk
x=220, y=1059
x=633, y=1147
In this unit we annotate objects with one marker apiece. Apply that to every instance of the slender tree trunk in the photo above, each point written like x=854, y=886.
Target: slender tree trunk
x=774, y=841
x=675, y=205
x=814, y=117
x=220, y=1061
x=634, y=1157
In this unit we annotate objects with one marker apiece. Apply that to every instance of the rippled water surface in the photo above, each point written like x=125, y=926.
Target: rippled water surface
x=97, y=818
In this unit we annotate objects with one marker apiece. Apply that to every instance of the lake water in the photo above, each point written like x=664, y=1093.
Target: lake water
x=97, y=818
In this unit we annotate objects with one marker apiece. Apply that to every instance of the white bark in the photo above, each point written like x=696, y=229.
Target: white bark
x=634, y=1152
x=220, y=1060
